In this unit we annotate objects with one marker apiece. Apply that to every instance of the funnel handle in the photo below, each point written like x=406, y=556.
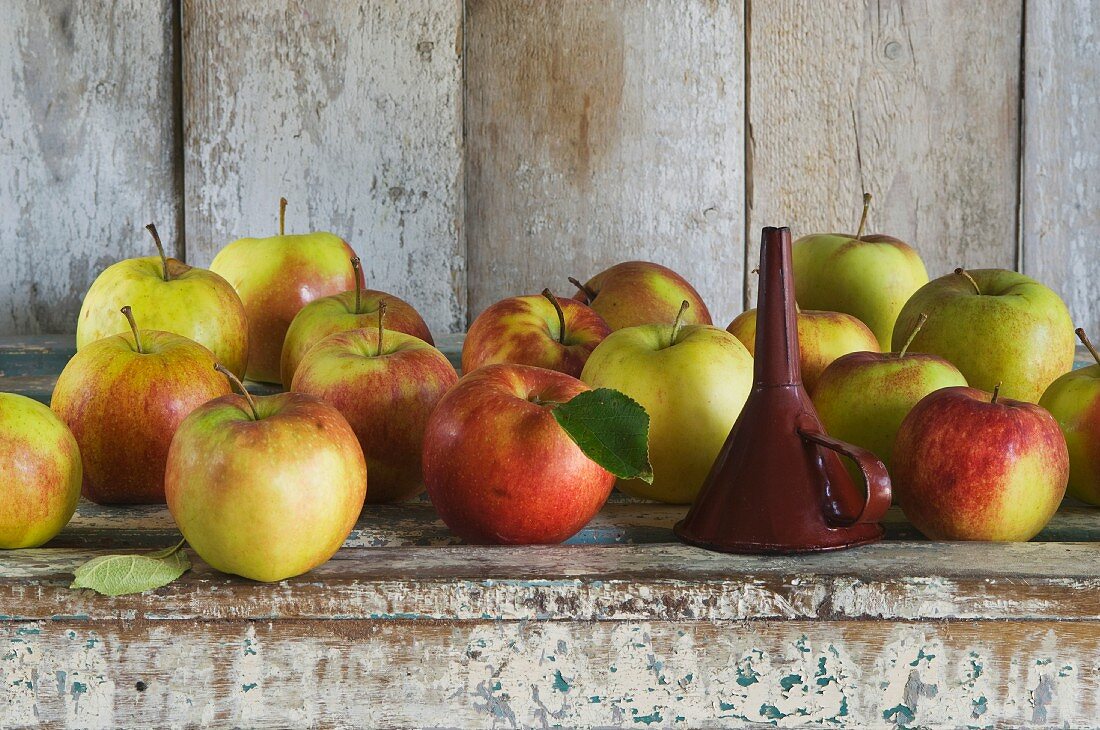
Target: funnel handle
x=877, y=480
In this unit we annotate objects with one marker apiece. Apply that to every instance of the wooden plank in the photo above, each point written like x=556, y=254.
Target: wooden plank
x=245, y=673
x=599, y=132
x=915, y=101
x=353, y=111
x=1061, y=167
x=89, y=146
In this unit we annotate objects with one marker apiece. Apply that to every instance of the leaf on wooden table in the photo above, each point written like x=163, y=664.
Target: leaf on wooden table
x=612, y=429
x=118, y=575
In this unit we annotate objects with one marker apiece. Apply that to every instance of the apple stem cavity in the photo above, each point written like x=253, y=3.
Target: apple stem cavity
x=912, y=335
x=963, y=272
x=996, y=392
x=588, y=293
x=561, y=315
x=129, y=315
x=357, y=265
x=234, y=380
x=381, y=320
x=678, y=323
x=160, y=249
x=282, y=216
x=1080, y=331
x=863, y=218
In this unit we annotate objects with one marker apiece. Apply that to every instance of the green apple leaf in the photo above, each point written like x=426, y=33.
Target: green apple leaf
x=612, y=429
x=118, y=575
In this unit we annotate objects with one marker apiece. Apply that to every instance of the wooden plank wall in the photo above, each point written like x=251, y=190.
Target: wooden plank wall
x=471, y=150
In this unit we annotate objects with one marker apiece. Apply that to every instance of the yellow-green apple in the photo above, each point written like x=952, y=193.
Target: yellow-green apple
x=386, y=384
x=277, y=276
x=39, y=472
x=968, y=465
x=863, y=397
x=172, y=297
x=868, y=276
x=822, y=338
x=344, y=312
x=540, y=330
x=499, y=468
x=995, y=326
x=268, y=487
x=640, y=292
x=123, y=397
x=1074, y=401
x=692, y=379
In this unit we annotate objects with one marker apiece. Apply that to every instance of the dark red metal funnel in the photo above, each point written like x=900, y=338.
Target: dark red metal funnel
x=778, y=485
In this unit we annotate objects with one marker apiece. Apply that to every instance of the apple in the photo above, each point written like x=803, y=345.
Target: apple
x=862, y=397
x=971, y=466
x=692, y=379
x=39, y=473
x=640, y=292
x=266, y=488
x=172, y=297
x=123, y=397
x=868, y=276
x=386, y=384
x=499, y=468
x=544, y=331
x=344, y=312
x=995, y=326
x=277, y=276
x=822, y=338
x=1074, y=401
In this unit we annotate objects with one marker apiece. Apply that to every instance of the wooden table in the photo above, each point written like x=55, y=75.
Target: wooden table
x=622, y=627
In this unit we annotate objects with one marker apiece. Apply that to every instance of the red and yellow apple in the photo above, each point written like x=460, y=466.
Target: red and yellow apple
x=1074, y=401
x=822, y=338
x=344, y=312
x=499, y=468
x=277, y=276
x=265, y=488
x=39, y=473
x=540, y=330
x=123, y=397
x=172, y=297
x=386, y=384
x=968, y=465
x=640, y=292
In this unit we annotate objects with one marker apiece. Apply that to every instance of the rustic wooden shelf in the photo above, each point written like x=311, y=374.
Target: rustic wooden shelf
x=624, y=626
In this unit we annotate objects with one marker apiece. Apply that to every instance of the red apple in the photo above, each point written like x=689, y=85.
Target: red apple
x=544, y=331
x=1074, y=401
x=266, y=488
x=500, y=469
x=386, y=384
x=640, y=292
x=123, y=397
x=344, y=312
x=970, y=466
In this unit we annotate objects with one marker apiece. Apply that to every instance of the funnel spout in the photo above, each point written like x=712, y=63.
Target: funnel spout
x=776, y=354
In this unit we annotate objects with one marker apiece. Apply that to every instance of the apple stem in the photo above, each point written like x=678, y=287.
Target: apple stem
x=863, y=218
x=129, y=315
x=678, y=322
x=996, y=392
x=357, y=265
x=912, y=335
x=969, y=278
x=160, y=249
x=588, y=293
x=561, y=315
x=1087, y=343
x=240, y=386
x=381, y=319
x=282, y=216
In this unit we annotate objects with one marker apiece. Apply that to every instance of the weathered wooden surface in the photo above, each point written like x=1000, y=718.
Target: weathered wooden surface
x=89, y=149
x=599, y=132
x=1061, y=167
x=353, y=111
x=915, y=101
